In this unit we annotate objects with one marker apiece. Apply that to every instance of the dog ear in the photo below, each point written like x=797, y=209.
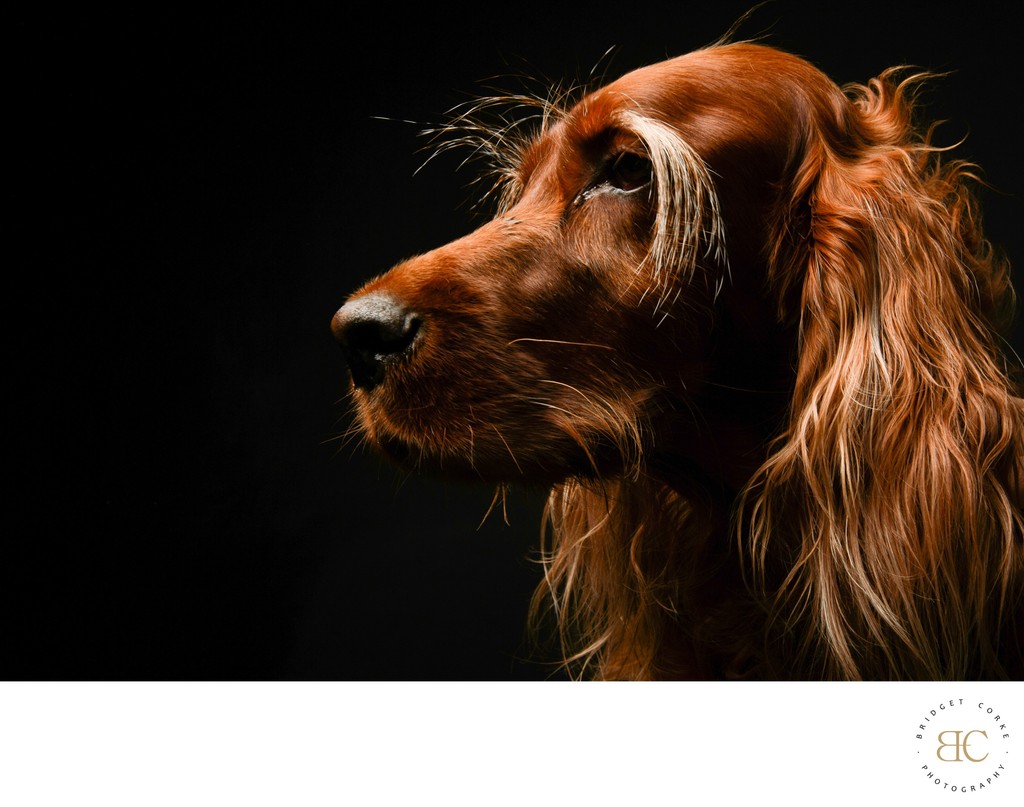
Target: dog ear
x=895, y=494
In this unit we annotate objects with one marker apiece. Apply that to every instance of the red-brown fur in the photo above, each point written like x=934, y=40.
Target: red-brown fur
x=782, y=443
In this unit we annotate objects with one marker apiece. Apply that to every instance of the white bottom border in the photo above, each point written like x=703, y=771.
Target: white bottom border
x=485, y=744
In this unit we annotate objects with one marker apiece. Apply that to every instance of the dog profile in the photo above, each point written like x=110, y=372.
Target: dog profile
x=746, y=326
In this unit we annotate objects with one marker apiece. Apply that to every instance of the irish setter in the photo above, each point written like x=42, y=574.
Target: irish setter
x=745, y=324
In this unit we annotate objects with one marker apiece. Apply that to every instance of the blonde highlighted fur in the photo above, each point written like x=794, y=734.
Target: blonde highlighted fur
x=895, y=491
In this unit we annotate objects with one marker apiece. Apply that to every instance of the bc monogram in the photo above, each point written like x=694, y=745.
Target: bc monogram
x=961, y=743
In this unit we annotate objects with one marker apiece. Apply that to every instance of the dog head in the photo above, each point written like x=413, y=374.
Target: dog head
x=620, y=291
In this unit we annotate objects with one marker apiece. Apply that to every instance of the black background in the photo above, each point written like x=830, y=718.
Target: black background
x=192, y=196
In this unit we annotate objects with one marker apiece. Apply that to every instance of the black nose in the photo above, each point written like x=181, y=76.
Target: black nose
x=373, y=330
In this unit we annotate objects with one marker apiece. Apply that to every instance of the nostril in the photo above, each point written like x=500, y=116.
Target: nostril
x=372, y=330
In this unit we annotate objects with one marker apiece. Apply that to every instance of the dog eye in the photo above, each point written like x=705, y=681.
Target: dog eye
x=629, y=171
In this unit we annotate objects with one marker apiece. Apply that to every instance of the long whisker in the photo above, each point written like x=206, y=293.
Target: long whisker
x=507, y=446
x=561, y=342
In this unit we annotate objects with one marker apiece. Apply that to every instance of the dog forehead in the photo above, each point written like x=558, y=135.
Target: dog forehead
x=652, y=90
x=738, y=93
x=718, y=76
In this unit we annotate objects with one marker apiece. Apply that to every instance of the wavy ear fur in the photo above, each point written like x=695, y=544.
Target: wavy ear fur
x=886, y=527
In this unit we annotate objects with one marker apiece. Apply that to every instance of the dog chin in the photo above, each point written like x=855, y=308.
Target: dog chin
x=413, y=456
x=562, y=462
